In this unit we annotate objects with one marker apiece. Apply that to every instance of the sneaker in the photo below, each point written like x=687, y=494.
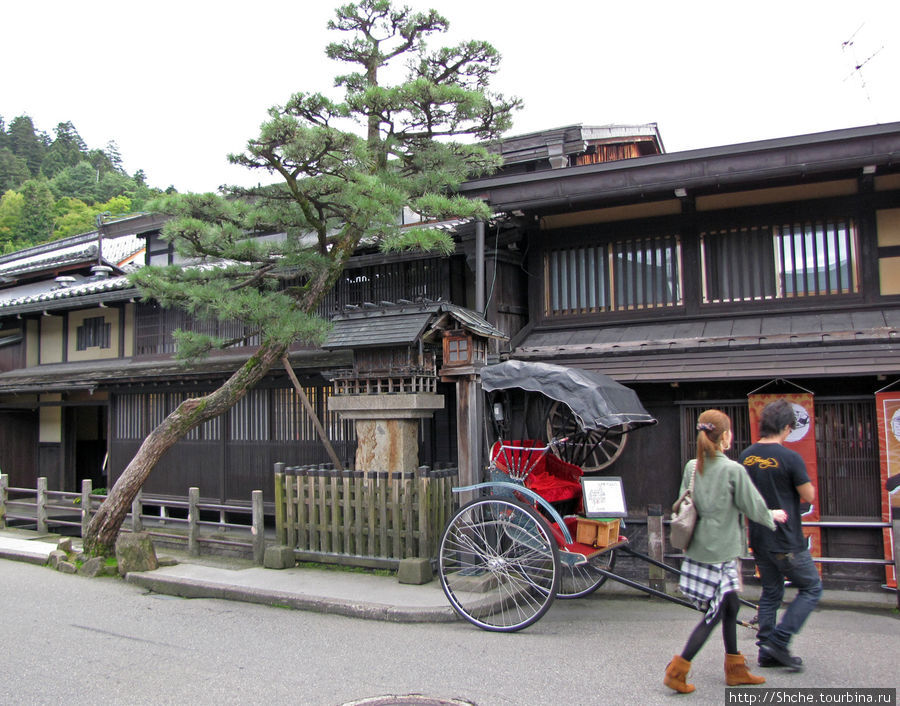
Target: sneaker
x=781, y=656
x=765, y=660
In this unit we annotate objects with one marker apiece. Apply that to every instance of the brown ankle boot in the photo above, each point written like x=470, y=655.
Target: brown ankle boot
x=676, y=675
x=736, y=672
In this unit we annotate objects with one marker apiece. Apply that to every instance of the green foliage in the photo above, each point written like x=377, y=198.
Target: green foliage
x=82, y=182
x=36, y=224
x=13, y=170
x=11, y=204
x=347, y=169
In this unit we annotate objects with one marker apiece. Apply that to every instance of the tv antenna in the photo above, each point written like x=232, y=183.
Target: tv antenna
x=850, y=45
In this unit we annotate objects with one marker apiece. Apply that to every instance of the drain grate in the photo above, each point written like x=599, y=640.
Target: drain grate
x=414, y=699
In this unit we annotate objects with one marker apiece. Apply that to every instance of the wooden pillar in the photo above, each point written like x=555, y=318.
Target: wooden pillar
x=895, y=514
x=468, y=424
x=656, y=545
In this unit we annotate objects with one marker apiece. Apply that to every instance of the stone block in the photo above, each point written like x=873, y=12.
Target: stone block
x=279, y=557
x=415, y=571
x=55, y=557
x=135, y=552
x=66, y=567
x=64, y=545
x=95, y=566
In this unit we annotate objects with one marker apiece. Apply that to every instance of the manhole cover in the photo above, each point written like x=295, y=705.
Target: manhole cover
x=418, y=699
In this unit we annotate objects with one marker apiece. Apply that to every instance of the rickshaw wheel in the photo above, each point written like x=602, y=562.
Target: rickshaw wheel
x=577, y=581
x=499, y=564
x=592, y=450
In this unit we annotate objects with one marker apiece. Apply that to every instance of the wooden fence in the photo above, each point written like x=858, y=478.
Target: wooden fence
x=181, y=523
x=362, y=518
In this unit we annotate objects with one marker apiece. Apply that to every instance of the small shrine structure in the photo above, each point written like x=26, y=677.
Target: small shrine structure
x=400, y=352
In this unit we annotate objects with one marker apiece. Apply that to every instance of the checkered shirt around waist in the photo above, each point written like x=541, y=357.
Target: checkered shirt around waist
x=705, y=585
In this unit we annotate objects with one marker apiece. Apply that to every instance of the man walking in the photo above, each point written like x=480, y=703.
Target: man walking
x=780, y=476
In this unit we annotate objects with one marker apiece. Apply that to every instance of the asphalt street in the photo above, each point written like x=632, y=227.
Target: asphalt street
x=75, y=640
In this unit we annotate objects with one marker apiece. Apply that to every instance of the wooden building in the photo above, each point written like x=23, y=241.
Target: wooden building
x=695, y=278
x=699, y=277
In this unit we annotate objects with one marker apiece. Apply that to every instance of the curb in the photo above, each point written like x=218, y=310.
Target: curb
x=38, y=558
x=193, y=588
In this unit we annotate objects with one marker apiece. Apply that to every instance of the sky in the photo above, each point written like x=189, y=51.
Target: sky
x=180, y=85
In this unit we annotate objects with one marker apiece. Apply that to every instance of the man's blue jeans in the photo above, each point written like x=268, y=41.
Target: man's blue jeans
x=799, y=569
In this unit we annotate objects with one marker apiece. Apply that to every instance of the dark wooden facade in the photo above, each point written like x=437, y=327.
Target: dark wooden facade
x=695, y=278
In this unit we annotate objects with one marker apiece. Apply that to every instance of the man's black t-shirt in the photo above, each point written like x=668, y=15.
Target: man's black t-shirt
x=776, y=472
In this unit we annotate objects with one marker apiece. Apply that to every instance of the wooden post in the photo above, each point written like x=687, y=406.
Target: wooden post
x=656, y=546
x=326, y=442
x=137, y=512
x=895, y=514
x=408, y=515
x=468, y=422
x=258, y=527
x=347, y=511
x=335, y=507
x=396, y=514
x=41, y=504
x=280, y=529
x=424, y=512
x=4, y=498
x=193, y=520
x=85, y=505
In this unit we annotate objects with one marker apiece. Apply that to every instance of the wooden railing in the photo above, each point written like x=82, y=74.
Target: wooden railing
x=362, y=518
x=178, y=522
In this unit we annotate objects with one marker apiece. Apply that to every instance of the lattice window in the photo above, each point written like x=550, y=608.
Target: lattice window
x=847, y=459
x=291, y=422
x=636, y=273
x=737, y=410
x=781, y=261
x=94, y=332
x=249, y=418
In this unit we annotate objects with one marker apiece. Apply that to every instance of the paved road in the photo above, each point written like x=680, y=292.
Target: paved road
x=68, y=639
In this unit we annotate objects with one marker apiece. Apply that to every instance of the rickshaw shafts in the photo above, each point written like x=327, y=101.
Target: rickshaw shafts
x=672, y=570
x=660, y=594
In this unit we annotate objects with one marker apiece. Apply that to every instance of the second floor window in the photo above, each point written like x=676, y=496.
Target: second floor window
x=800, y=259
x=622, y=275
x=93, y=333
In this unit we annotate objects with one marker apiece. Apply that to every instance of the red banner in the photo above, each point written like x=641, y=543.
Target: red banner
x=802, y=440
x=888, y=406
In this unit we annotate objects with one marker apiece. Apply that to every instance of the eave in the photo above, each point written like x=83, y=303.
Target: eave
x=799, y=157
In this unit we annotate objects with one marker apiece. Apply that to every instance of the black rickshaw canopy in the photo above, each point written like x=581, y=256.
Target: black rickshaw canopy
x=597, y=401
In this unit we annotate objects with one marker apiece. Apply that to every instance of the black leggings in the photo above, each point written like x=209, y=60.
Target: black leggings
x=727, y=613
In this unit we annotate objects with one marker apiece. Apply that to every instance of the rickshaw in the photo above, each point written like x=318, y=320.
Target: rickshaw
x=507, y=554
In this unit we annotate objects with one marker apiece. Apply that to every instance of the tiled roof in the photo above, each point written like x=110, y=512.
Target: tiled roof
x=47, y=292
x=116, y=251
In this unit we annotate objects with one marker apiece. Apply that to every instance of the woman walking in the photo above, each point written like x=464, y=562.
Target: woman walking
x=723, y=492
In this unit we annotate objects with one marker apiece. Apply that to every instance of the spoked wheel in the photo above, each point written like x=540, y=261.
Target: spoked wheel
x=593, y=450
x=499, y=564
x=579, y=580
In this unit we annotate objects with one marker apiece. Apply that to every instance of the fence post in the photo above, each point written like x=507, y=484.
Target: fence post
x=258, y=528
x=4, y=498
x=280, y=529
x=895, y=513
x=193, y=518
x=137, y=512
x=424, y=513
x=41, y=504
x=656, y=545
x=86, y=487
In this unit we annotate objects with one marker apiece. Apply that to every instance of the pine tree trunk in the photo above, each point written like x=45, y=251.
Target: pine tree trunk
x=103, y=530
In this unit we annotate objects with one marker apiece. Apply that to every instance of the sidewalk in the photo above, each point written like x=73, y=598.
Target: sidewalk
x=360, y=595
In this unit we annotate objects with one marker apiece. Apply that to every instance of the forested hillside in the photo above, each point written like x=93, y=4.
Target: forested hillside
x=56, y=186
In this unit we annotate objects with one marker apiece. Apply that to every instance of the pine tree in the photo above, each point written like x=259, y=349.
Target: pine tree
x=347, y=168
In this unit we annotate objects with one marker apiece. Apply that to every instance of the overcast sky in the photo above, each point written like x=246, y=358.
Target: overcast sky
x=179, y=85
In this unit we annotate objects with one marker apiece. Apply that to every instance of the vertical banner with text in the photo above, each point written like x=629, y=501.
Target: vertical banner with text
x=888, y=407
x=802, y=440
